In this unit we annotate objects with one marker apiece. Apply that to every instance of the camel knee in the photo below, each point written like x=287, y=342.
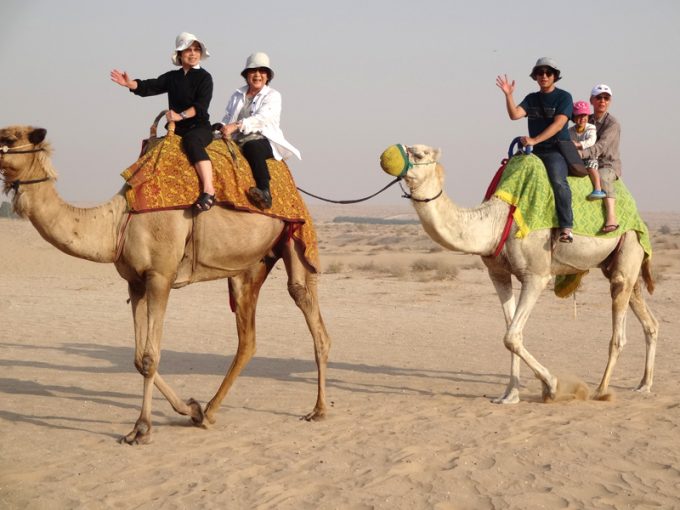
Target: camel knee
x=513, y=342
x=299, y=294
x=147, y=365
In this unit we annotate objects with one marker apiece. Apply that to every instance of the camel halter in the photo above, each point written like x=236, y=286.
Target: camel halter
x=13, y=150
x=4, y=149
x=395, y=160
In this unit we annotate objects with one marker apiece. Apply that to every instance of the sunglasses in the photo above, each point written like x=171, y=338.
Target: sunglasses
x=603, y=97
x=544, y=71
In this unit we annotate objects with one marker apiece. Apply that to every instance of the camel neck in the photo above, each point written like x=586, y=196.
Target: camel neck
x=87, y=233
x=475, y=231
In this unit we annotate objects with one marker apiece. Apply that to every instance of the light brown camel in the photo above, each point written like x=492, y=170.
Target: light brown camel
x=155, y=259
x=532, y=260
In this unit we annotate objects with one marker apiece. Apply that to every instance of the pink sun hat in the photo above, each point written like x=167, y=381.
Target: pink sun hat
x=581, y=108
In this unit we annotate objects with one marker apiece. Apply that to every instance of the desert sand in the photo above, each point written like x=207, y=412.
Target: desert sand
x=417, y=355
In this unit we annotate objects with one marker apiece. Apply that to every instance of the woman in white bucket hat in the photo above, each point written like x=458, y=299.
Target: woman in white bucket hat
x=252, y=119
x=189, y=92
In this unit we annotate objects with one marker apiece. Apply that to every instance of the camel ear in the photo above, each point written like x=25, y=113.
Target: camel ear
x=37, y=135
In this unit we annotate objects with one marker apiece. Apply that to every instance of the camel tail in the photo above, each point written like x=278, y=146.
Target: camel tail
x=647, y=274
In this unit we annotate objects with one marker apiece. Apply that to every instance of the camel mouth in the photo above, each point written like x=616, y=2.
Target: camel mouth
x=395, y=161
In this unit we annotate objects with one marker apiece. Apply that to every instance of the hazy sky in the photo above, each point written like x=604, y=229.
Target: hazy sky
x=356, y=77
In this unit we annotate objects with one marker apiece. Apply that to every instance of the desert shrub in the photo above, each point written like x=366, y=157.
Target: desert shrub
x=664, y=229
x=335, y=268
x=433, y=269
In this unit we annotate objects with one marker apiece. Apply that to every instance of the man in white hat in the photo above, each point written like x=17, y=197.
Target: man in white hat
x=605, y=150
x=189, y=92
x=252, y=119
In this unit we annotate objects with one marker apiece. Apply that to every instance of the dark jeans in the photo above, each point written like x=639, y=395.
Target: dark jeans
x=557, y=169
x=257, y=152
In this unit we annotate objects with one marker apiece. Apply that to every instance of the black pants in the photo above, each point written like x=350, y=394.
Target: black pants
x=257, y=152
x=194, y=142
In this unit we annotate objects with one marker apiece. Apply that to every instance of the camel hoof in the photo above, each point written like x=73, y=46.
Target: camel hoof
x=508, y=398
x=208, y=417
x=316, y=415
x=643, y=388
x=136, y=437
x=141, y=434
x=550, y=391
x=196, y=412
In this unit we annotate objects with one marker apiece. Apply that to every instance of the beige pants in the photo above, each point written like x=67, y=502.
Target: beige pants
x=607, y=179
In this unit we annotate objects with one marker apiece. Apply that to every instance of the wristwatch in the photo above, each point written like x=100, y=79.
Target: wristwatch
x=183, y=115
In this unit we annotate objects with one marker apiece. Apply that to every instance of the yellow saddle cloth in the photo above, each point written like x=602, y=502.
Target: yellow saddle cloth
x=163, y=179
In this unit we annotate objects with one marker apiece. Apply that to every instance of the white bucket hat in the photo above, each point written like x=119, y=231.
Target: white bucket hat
x=182, y=42
x=546, y=62
x=601, y=89
x=257, y=60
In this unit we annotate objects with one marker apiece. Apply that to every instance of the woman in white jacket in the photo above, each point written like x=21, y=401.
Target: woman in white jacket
x=252, y=120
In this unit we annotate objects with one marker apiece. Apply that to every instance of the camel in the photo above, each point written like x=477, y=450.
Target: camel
x=532, y=260
x=233, y=244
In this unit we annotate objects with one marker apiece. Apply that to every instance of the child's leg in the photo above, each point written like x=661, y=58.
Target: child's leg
x=594, y=174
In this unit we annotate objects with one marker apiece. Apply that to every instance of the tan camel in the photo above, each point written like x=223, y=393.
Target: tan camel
x=156, y=258
x=532, y=260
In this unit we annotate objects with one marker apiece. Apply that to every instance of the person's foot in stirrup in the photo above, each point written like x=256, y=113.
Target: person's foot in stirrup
x=260, y=198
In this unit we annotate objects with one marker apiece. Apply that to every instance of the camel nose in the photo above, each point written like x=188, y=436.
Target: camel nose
x=394, y=160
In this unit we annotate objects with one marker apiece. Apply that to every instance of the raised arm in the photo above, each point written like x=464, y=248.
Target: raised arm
x=122, y=78
x=508, y=88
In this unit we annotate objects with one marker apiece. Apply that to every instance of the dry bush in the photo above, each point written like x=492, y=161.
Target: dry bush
x=334, y=267
x=432, y=269
x=666, y=244
x=396, y=270
x=664, y=229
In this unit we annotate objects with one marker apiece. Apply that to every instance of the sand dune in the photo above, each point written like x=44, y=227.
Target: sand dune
x=417, y=354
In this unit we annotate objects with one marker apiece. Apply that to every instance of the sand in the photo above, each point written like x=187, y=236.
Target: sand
x=417, y=355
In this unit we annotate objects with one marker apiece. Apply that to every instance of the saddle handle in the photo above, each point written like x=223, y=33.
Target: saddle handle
x=154, y=127
x=528, y=149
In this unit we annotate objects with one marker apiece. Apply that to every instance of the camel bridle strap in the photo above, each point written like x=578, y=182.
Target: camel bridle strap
x=421, y=200
x=4, y=149
x=15, y=184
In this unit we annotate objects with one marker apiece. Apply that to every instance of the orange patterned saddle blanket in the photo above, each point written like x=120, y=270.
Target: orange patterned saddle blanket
x=163, y=179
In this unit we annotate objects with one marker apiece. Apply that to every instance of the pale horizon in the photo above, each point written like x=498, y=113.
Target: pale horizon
x=355, y=78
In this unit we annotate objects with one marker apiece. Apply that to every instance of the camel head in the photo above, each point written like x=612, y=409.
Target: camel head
x=21, y=147
x=415, y=164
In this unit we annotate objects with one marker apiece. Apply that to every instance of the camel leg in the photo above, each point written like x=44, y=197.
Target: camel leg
x=532, y=286
x=650, y=326
x=622, y=280
x=149, y=301
x=620, y=299
x=502, y=282
x=245, y=290
x=302, y=288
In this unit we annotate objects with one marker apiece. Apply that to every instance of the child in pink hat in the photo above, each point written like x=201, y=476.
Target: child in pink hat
x=584, y=135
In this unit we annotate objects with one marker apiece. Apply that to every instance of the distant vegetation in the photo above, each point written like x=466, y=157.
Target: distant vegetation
x=373, y=221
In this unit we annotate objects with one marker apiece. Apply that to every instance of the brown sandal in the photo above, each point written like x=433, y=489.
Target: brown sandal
x=566, y=237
